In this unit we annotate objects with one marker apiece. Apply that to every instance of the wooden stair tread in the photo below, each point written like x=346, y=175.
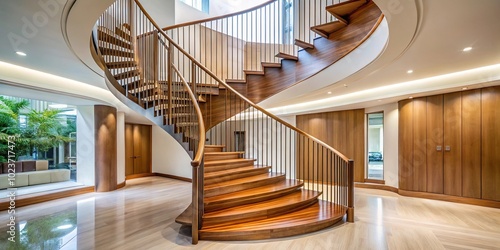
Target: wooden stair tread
x=294, y=198
x=312, y=218
x=229, y=81
x=220, y=173
x=215, y=146
x=121, y=64
x=271, y=65
x=242, y=184
x=326, y=29
x=213, y=166
x=254, y=72
x=186, y=217
x=116, y=52
x=287, y=56
x=243, y=180
x=126, y=74
x=342, y=10
x=303, y=44
x=214, y=156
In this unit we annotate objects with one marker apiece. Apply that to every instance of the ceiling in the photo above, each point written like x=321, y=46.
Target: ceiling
x=432, y=46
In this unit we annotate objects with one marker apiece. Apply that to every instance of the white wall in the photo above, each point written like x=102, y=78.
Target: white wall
x=391, y=115
x=162, y=11
x=168, y=155
x=85, y=144
x=120, y=147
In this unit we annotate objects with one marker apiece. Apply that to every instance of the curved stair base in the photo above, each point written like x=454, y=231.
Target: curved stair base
x=313, y=218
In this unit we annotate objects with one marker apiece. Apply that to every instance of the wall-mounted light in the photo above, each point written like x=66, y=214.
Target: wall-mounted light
x=20, y=53
x=409, y=71
x=467, y=49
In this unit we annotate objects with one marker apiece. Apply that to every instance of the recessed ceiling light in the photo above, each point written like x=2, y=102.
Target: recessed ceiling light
x=464, y=88
x=21, y=53
x=409, y=71
x=379, y=100
x=329, y=92
x=345, y=85
x=467, y=49
x=411, y=97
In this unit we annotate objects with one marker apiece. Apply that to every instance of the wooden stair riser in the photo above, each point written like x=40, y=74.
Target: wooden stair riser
x=214, y=148
x=242, y=186
x=269, y=209
x=116, y=52
x=209, y=167
x=108, y=40
x=236, y=175
x=222, y=156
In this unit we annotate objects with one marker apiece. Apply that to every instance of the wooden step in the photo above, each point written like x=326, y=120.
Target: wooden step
x=342, y=10
x=123, y=32
x=303, y=44
x=186, y=217
x=121, y=64
x=261, y=210
x=287, y=56
x=127, y=74
x=217, y=156
x=230, y=81
x=253, y=195
x=313, y=218
x=271, y=65
x=242, y=184
x=106, y=37
x=214, y=148
x=234, y=173
x=116, y=52
x=325, y=30
x=254, y=72
x=213, y=166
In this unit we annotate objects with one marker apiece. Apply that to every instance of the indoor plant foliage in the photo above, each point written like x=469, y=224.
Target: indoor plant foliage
x=43, y=130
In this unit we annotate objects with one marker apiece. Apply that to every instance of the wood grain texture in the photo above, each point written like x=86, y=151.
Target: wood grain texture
x=434, y=139
x=490, y=138
x=384, y=220
x=419, y=173
x=471, y=143
x=453, y=140
x=129, y=149
x=343, y=130
x=405, y=145
x=105, y=148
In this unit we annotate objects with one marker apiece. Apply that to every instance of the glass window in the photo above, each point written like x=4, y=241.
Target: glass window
x=201, y=5
x=375, y=143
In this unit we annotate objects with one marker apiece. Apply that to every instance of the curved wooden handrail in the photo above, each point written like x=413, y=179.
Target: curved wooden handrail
x=201, y=143
x=218, y=17
x=299, y=131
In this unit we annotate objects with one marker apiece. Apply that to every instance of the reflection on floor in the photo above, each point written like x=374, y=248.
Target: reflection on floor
x=376, y=170
x=39, y=188
x=141, y=216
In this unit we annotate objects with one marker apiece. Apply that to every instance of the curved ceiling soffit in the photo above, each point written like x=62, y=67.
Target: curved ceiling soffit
x=77, y=23
x=402, y=21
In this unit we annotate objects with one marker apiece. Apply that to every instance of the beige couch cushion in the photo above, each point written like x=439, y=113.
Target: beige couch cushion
x=22, y=179
x=4, y=182
x=42, y=165
x=39, y=177
x=57, y=175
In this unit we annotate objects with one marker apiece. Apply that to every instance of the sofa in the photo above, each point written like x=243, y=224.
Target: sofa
x=32, y=173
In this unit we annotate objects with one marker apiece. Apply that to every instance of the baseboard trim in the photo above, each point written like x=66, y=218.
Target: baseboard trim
x=443, y=197
x=120, y=185
x=431, y=196
x=135, y=176
x=173, y=177
x=30, y=199
x=376, y=186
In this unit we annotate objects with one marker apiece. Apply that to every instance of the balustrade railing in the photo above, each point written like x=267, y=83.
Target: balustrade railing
x=145, y=64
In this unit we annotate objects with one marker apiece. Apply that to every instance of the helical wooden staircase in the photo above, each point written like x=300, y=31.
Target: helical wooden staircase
x=247, y=180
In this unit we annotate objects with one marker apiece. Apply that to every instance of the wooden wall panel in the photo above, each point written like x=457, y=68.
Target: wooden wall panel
x=490, y=157
x=471, y=143
x=105, y=148
x=452, y=144
x=419, y=174
x=435, y=140
x=405, y=139
x=343, y=130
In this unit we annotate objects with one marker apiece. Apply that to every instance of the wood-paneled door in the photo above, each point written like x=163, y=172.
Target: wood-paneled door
x=453, y=144
x=490, y=155
x=137, y=149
